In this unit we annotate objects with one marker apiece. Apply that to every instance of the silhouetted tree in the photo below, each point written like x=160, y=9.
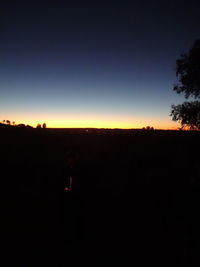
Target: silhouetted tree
x=8, y=122
x=148, y=128
x=44, y=126
x=188, y=74
x=38, y=126
x=188, y=114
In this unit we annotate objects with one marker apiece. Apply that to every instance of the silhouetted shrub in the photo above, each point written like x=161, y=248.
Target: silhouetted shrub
x=38, y=126
x=148, y=128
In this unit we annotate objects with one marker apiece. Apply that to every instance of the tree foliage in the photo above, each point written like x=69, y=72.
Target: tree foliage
x=188, y=75
x=148, y=128
x=38, y=126
x=188, y=114
x=188, y=72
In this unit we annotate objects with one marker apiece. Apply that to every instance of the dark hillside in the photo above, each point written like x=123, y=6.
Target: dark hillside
x=135, y=195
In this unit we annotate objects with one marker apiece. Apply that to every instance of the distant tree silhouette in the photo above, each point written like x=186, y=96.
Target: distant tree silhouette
x=13, y=123
x=188, y=74
x=38, y=126
x=44, y=126
x=148, y=128
x=8, y=122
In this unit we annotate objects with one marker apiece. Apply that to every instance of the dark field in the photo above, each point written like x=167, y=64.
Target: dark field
x=135, y=197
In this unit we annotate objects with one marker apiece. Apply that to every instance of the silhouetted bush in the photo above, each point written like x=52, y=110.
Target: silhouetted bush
x=148, y=128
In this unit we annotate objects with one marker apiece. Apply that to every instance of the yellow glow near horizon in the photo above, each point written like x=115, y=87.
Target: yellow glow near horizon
x=90, y=121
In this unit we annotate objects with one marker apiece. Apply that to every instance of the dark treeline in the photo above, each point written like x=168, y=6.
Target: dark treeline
x=134, y=196
x=8, y=123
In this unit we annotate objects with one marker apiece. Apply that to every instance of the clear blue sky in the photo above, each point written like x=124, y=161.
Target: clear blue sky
x=93, y=64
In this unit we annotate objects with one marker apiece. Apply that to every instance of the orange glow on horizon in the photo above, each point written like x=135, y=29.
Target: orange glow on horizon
x=90, y=121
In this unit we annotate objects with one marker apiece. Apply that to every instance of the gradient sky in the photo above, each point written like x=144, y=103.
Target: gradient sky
x=93, y=63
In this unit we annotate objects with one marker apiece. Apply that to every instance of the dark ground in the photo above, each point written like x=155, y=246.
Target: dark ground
x=135, y=200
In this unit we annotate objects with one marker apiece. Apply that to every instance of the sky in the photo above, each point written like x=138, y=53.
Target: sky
x=97, y=64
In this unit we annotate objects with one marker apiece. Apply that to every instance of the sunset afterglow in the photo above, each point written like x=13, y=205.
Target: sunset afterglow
x=89, y=121
x=119, y=74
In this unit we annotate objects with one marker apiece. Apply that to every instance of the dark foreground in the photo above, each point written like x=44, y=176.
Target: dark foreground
x=135, y=198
